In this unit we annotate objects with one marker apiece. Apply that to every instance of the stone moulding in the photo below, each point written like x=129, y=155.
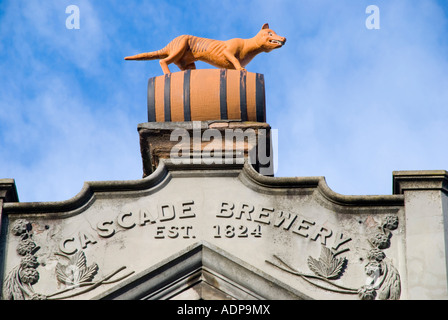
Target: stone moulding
x=179, y=273
x=87, y=193
x=420, y=180
x=319, y=183
x=160, y=176
x=8, y=191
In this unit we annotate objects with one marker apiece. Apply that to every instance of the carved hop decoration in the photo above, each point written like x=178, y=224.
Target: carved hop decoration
x=18, y=284
x=76, y=271
x=328, y=266
x=383, y=280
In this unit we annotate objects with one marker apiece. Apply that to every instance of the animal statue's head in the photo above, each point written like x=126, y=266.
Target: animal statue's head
x=268, y=40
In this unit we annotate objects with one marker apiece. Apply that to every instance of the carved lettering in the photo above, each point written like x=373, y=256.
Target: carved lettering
x=242, y=232
x=85, y=239
x=249, y=217
x=145, y=217
x=187, y=232
x=323, y=234
x=231, y=231
x=160, y=232
x=63, y=246
x=173, y=232
x=106, y=229
x=263, y=215
x=128, y=224
x=226, y=210
x=246, y=210
x=166, y=212
x=339, y=240
x=187, y=210
x=304, y=225
x=286, y=218
x=281, y=219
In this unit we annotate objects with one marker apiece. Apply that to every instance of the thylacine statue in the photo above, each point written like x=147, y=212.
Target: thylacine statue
x=236, y=53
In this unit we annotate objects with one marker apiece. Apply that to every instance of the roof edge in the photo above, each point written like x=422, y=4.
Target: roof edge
x=321, y=185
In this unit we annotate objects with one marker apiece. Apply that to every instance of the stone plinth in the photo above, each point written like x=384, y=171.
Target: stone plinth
x=215, y=142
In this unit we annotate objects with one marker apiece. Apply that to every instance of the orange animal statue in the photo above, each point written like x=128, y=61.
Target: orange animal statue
x=236, y=53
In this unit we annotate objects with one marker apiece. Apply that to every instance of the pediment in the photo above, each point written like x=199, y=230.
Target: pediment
x=202, y=231
x=203, y=272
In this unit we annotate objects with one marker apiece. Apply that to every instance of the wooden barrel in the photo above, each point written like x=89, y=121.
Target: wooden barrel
x=207, y=94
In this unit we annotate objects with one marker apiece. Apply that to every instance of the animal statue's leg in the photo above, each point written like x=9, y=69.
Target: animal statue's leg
x=164, y=66
x=232, y=59
x=174, y=56
x=182, y=65
x=191, y=66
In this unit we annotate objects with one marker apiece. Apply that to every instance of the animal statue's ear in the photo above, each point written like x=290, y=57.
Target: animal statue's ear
x=265, y=26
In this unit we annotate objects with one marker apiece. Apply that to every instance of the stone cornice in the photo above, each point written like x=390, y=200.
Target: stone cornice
x=420, y=180
x=320, y=184
x=87, y=193
x=166, y=169
x=8, y=191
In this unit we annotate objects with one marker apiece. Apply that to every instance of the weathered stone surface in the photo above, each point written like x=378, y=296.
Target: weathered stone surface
x=426, y=204
x=209, y=230
x=294, y=232
x=193, y=139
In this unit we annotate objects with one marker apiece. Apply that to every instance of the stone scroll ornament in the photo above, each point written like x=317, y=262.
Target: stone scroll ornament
x=74, y=274
x=236, y=53
x=383, y=280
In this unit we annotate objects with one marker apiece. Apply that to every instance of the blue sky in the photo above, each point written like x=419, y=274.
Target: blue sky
x=350, y=104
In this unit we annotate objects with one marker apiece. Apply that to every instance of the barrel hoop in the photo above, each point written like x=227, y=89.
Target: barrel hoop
x=167, y=97
x=243, y=100
x=223, y=93
x=151, y=100
x=187, y=109
x=260, y=98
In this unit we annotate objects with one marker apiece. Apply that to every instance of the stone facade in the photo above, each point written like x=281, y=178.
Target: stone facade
x=227, y=232
x=214, y=224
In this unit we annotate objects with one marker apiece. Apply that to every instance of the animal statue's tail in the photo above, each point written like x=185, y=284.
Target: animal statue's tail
x=160, y=54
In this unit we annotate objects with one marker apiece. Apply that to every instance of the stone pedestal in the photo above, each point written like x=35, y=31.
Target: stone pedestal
x=211, y=142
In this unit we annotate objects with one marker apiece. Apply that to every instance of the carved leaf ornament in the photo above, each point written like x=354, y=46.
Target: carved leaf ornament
x=18, y=284
x=76, y=272
x=327, y=266
x=383, y=280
